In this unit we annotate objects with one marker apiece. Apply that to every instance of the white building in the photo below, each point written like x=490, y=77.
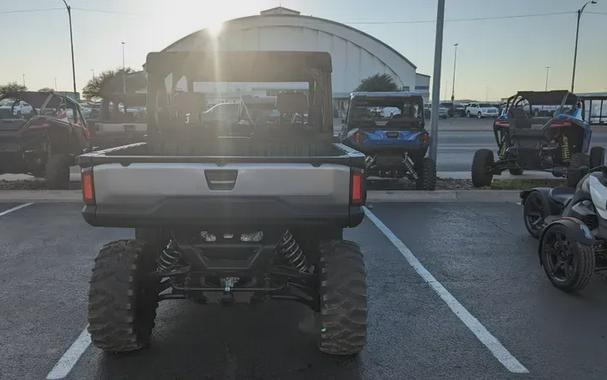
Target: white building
x=355, y=55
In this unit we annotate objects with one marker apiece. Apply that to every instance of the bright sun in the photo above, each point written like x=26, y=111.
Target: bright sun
x=215, y=27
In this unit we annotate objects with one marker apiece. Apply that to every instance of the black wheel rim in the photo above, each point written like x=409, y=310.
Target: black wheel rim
x=558, y=256
x=534, y=213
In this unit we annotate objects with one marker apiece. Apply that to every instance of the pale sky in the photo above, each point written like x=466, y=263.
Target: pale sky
x=495, y=57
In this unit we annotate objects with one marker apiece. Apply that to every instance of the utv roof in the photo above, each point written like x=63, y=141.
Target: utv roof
x=386, y=94
x=240, y=66
x=549, y=97
x=37, y=99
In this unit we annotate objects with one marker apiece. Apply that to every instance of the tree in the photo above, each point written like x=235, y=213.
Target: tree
x=377, y=82
x=92, y=90
x=11, y=87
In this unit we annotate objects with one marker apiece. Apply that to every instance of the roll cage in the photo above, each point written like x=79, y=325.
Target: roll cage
x=559, y=98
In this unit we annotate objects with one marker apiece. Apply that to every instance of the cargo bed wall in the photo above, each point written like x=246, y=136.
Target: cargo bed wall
x=200, y=144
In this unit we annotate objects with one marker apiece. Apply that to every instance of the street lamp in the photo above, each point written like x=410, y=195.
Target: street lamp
x=577, y=34
x=453, y=85
x=69, y=15
x=547, y=72
x=123, y=70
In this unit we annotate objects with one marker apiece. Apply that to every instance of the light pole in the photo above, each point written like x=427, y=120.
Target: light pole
x=577, y=34
x=547, y=72
x=438, y=51
x=69, y=16
x=453, y=84
x=123, y=70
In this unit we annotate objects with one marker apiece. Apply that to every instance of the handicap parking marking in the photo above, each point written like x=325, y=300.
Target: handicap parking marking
x=71, y=356
x=18, y=207
x=470, y=321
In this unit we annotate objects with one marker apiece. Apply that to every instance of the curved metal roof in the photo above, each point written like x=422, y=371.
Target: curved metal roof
x=311, y=18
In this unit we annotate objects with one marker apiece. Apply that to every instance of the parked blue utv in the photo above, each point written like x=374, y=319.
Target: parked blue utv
x=388, y=127
x=540, y=130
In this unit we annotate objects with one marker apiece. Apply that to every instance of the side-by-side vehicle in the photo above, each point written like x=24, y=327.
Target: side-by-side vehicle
x=542, y=130
x=41, y=133
x=388, y=127
x=238, y=209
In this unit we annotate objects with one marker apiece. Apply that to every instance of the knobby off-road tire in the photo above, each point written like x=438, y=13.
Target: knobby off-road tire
x=343, y=298
x=597, y=156
x=123, y=297
x=57, y=172
x=575, y=172
x=482, y=163
x=583, y=261
x=426, y=175
x=516, y=171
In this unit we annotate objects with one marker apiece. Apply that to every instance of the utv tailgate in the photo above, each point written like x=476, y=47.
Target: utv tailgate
x=234, y=193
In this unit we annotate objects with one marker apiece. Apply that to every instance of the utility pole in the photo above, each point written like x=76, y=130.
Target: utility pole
x=123, y=70
x=453, y=85
x=547, y=73
x=55, y=88
x=577, y=35
x=69, y=15
x=438, y=51
x=23, y=79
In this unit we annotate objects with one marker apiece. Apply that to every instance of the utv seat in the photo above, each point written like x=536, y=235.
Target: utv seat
x=520, y=119
x=562, y=195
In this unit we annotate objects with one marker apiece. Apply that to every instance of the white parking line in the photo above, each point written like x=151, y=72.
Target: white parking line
x=15, y=208
x=71, y=356
x=477, y=328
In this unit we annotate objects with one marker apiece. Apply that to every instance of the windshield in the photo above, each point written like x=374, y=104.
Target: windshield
x=382, y=112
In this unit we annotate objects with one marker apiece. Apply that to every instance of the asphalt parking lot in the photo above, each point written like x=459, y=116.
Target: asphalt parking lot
x=478, y=252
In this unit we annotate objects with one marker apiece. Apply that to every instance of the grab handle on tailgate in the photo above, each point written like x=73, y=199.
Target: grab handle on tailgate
x=221, y=179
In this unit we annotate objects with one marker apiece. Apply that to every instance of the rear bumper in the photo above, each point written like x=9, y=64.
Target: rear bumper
x=214, y=211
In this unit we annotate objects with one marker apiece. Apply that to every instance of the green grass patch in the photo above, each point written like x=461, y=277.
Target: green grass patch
x=521, y=184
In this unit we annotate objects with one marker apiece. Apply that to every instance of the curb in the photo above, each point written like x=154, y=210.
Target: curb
x=470, y=196
x=373, y=196
x=42, y=196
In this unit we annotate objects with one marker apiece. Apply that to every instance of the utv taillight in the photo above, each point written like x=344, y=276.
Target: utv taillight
x=560, y=124
x=424, y=138
x=358, y=138
x=88, y=189
x=357, y=187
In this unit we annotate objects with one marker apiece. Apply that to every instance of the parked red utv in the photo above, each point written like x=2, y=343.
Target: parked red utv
x=41, y=133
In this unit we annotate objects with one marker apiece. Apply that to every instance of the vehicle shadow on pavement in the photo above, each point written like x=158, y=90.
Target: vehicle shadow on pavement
x=266, y=341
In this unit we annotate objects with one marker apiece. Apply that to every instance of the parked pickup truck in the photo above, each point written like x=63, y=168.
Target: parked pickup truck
x=229, y=211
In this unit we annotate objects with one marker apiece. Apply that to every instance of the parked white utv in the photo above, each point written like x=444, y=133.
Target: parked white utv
x=229, y=210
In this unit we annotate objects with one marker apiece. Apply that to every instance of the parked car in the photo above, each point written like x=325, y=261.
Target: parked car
x=223, y=218
x=388, y=127
x=443, y=112
x=481, y=110
x=41, y=133
x=559, y=143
